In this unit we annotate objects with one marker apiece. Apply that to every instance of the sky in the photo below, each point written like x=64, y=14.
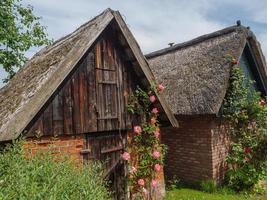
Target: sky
x=154, y=23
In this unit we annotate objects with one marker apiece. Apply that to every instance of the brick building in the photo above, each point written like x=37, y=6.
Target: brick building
x=196, y=75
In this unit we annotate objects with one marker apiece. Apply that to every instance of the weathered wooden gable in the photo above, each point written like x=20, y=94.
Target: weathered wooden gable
x=94, y=96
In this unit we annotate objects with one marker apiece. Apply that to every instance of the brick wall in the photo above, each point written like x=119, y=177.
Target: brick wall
x=196, y=149
x=220, y=146
x=61, y=145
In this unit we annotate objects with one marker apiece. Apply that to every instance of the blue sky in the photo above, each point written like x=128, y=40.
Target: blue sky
x=154, y=23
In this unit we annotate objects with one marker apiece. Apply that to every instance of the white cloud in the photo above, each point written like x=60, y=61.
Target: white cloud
x=258, y=10
x=261, y=15
x=153, y=23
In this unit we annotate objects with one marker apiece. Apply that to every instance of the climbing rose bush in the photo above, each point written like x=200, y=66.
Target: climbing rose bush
x=246, y=110
x=146, y=151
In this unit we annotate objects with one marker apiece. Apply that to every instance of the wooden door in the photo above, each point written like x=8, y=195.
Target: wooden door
x=108, y=87
x=107, y=147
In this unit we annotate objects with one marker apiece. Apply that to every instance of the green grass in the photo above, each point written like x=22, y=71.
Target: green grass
x=190, y=194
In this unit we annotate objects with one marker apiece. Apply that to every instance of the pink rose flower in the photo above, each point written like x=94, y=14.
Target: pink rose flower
x=156, y=133
x=160, y=87
x=152, y=99
x=157, y=167
x=141, y=182
x=154, y=183
x=153, y=120
x=156, y=154
x=137, y=129
x=126, y=156
x=155, y=111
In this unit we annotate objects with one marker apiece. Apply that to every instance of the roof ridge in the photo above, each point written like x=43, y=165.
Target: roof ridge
x=57, y=42
x=197, y=40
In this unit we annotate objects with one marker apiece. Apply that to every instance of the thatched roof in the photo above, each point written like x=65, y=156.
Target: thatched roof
x=196, y=72
x=33, y=85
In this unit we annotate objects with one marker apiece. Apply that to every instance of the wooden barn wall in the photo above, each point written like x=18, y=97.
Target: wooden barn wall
x=93, y=98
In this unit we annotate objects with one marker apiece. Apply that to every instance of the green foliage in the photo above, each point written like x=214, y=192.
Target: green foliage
x=247, y=113
x=138, y=101
x=20, y=30
x=41, y=177
x=174, y=183
x=209, y=186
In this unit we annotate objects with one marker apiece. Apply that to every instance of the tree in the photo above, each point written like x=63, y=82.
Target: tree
x=20, y=30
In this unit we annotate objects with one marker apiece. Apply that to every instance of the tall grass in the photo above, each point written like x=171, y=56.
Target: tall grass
x=42, y=178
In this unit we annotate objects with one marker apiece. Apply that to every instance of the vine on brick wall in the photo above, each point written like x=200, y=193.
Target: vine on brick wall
x=246, y=110
x=145, y=154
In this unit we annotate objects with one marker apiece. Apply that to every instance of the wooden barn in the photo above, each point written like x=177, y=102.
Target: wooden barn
x=73, y=94
x=196, y=75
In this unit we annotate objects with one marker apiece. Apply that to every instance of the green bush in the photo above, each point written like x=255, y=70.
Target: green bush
x=209, y=186
x=173, y=184
x=246, y=111
x=42, y=178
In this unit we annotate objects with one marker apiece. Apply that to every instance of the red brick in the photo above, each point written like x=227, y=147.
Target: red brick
x=60, y=146
x=197, y=149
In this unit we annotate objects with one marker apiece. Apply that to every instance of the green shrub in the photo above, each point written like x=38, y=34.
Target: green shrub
x=41, y=177
x=173, y=184
x=246, y=110
x=225, y=190
x=209, y=186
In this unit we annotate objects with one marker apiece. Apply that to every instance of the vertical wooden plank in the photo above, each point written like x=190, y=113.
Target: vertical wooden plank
x=96, y=147
x=85, y=113
x=104, y=55
x=125, y=94
x=91, y=82
x=109, y=106
x=104, y=106
x=93, y=146
x=99, y=88
x=68, y=110
x=48, y=120
x=107, y=92
x=58, y=114
x=120, y=96
x=110, y=52
x=104, y=156
x=115, y=91
x=81, y=96
x=129, y=87
x=113, y=77
x=37, y=128
x=76, y=103
x=98, y=63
